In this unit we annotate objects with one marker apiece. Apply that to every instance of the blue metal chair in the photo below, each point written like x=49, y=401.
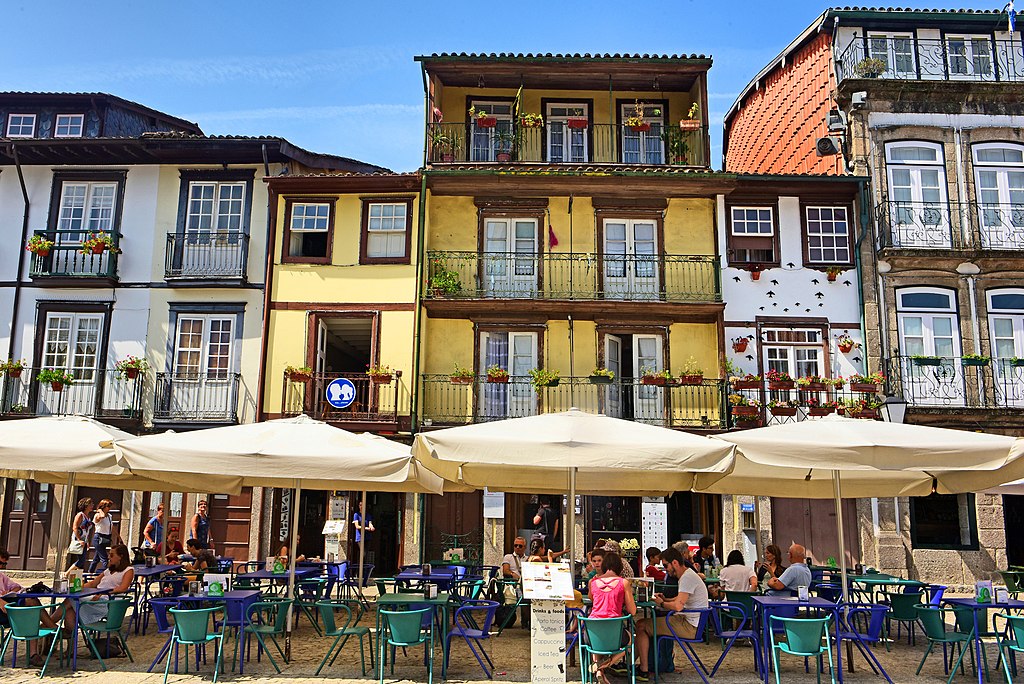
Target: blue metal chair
x=742, y=628
x=863, y=624
x=686, y=644
x=159, y=607
x=472, y=622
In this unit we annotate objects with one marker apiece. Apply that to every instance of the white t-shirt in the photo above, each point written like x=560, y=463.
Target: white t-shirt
x=691, y=583
x=102, y=524
x=736, y=577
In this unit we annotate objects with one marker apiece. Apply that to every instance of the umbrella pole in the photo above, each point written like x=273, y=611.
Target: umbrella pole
x=571, y=536
x=61, y=531
x=838, y=487
x=362, y=544
x=291, y=569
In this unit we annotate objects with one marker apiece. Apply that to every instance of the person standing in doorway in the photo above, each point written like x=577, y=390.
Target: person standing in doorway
x=154, y=532
x=104, y=529
x=199, y=528
x=361, y=528
x=81, y=527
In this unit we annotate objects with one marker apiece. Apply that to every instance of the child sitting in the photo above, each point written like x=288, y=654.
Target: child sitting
x=653, y=562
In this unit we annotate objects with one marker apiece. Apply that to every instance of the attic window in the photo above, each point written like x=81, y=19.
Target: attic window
x=69, y=126
x=21, y=125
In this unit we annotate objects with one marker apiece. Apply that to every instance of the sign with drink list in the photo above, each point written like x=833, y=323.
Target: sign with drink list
x=547, y=581
x=547, y=640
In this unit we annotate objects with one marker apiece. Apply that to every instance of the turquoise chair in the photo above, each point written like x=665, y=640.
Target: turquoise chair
x=342, y=630
x=603, y=637
x=111, y=627
x=933, y=622
x=1012, y=640
x=309, y=593
x=192, y=628
x=267, y=619
x=405, y=628
x=804, y=638
x=903, y=611
x=25, y=627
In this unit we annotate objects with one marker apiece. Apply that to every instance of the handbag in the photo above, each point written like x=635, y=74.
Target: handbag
x=76, y=547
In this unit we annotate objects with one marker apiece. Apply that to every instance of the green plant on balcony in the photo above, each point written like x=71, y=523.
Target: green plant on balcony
x=744, y=407
x=504, y=145
x=543, y=377
x=496, y=373
x=748, y=381
x=783, y=407
x=870, y=67
x=676, y=145
x=637, y=121
x=445, y=145
x=444, y=282
x=12, y=368
x=380, y=373
x=462, y=376
x=531, y=120
x=692, y=373
x=19, y=408
x=817, y=408
x=39, y=245
x=131, y=367
x=836, y=383
x=1015, y=361
x=779, y=380
x=653, y=376
x=811, y=383
x=601, y=376
x=298, y=373
x=57, y=378
x=97, y=243
x=866, y=407
x=923, y=360
x=975, y=360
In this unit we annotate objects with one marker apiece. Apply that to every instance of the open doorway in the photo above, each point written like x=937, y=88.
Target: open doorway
x=1013, y=519
x=630, y=356
x=344, y=345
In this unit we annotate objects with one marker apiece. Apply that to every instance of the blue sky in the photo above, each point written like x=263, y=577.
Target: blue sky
x=338, y=76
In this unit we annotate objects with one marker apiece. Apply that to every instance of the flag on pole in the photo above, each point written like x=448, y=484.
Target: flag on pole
x=1011, y=16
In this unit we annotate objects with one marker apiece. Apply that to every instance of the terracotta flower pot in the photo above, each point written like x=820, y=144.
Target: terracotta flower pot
x=99, y=249
x=745, y=410
x=746, y=384
x=781, y=385
x=298, y=376
x=863, y=387
x=381, y=379
x=42, y=252
x=740, y=346
x=653, y=380
x=783, y=411
x=14, y=373
x=131, y=373
x=459, y=380
x=691, y=379
x=755, y=275
x=846, y=348
x=500, y=379
x=57, y=386
x=831, y=277
x=503, y=156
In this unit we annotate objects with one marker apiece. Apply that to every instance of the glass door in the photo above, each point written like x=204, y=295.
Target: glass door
x=568, y=133
x=1000, y=187
x=631, y=260
x=649, y=400
x=491, y=135
x=917, y=194
x=897, y=52
x=515, y=352
x=510, y=258
x=613, y=362
x=644, y=144
x=931, y=335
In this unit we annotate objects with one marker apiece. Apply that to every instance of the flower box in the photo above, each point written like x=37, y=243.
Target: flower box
x=577, y=123
x=740, y=346
x=813, y=387
x=689, y=124
x=14, y=372
x=639, y=127
x=486, y=121
x=746, y=411
x=780, y=384
x=381, y=379
x=549, y=383
x=500, y=379
x=294, y=376
x=746, y=384
x=458, y=380
x=653, y=380
x=1017, y=363
x=600, y=380
x=863, y=387
x=783, y=411
x=869, y=414
x=838, y=385
x=820, y=411
x=975, y=362
x=691, y=379
x=531, y=123
x=927, y=361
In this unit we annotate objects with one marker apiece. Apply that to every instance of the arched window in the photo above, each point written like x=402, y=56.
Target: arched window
x=999, y=187
x=1006, y=328
x=929, y=333
x=918, y=214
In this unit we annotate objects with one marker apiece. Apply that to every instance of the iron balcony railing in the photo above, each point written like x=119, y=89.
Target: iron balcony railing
x=575, y=276
x=791, y=402
x=196, y=397
x=917, y=59
x=66, y=260
x=374, y=402
x=948, y=382
x=951, y=225
x=195, y=255
x=96, y=393
x=561, y=142
x=683, y=406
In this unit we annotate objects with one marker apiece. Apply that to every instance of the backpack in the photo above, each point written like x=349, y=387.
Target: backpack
x=665, y=662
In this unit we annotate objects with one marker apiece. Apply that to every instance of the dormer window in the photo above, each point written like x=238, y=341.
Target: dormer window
x=21, y=125
x=69, y=126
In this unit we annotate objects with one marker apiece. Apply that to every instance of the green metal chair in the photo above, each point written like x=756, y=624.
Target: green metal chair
x=25, y=627
x=111, y=627
x=341, y=631
x=385, y=585
x=193, y=628
x=1012, y=580
x=309, y=593
x=804, y=638
x=902, y=611
x=933, y=622
x=405, y=628
x=267, y=619
x=1012, y=640
x=603, y=637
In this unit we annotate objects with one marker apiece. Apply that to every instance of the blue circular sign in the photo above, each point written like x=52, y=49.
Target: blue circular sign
x=341, y=393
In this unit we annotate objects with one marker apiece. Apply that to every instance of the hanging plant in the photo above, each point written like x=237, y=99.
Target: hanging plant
x=462, y=376
x=497, y=374
x=601, y=376
x=57, y=378
x=542, y=377
x=97, y=243
x=39, y=245
x=380, y=374
x=12, y=368
x=131, y=366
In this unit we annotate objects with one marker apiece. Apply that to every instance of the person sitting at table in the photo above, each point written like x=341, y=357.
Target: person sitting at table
x=653, y=562
x=540, y=553
x=512, y=569
x=594, y=569
x=611, y=596
x=705, y=558
x=736, y=576
x=286, y=550
x=627, y=567
x=8, y=588
x=772, y=565
x=117, y=578
x=796, y=575
x=204, y=558
x=174, y=548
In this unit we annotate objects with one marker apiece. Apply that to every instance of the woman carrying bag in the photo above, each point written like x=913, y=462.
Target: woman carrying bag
x=81, y=525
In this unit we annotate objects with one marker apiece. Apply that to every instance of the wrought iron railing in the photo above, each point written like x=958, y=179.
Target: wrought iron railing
x=527, y=275
x=956, y=382
x=96, y=393
x=206, y=255
x=912, y=59
x=682, y=406
x=950, y=225
x=558, y=142
x=790, y=402
x=373, y=402
x=66, y=260
x=196, y=397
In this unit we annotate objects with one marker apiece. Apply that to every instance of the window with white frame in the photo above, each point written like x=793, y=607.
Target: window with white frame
x=202, y=347
x=387, y=229
x=85, y=207
x=796, y=351
x=568, y=128
x=828, y=235
x=309, y=229
x=999, y=185
x=72, y=342
x=1006, y=327
x=644, y=144
x=21, y=125
x=491, y=134
x=215, y=207
x=69, y=126
x=969, y=56
x=918, y=215
x=751, y=235
x=896, y=50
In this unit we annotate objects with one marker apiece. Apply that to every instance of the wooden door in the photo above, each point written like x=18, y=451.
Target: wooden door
x=230, y=519
x=27, y=508
x=812, y=522
x=459, y=516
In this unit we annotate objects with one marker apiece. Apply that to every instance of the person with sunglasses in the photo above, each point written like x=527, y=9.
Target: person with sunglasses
x=512, y=568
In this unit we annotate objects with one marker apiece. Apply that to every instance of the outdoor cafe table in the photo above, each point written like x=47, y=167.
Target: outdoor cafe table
x=871, y=583
x=243, y=596
x=766, y=605
x=76, y=598
x=404, y=600
x=442, y=579
x=147, y=576
x=972, y=603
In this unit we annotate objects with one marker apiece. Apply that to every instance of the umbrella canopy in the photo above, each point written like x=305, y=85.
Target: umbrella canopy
x=537, y=453
x=873, y=458
x=1017, y=486
x=275, y=453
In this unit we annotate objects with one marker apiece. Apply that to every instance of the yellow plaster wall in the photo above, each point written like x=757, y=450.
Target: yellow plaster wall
x=690, y=226
x=446, y=341
x=699, y=340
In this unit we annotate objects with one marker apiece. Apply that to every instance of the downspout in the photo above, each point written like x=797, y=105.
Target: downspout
x=21, y=253
x=418, y=315
x=865, y=218
x=268, y=280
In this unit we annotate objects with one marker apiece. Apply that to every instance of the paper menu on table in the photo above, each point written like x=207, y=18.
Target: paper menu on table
x=547, y=581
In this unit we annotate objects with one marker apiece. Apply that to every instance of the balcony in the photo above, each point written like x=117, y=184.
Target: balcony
x=66, y=263
x=558, y=143
x=954, y=59
x=201, y=256
x=376, y=404
x=799, y=402
x=684, y=406
x=950, y=225
x=945, y=382
x=196, y=397
x=95, y=393
x=573, y=277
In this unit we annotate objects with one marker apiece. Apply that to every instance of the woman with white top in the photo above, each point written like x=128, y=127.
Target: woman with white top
x=117, y=578
x=102, y=536
x=736, y=576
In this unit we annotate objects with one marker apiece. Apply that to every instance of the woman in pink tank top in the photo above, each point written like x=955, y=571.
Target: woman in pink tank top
x=611, y=596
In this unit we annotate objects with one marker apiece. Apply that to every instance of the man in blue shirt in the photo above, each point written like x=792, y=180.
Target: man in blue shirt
x=796, y=575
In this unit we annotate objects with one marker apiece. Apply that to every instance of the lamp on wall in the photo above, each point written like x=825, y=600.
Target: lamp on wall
x=894, y=408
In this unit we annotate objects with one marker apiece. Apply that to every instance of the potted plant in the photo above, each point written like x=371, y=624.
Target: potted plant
x=755, y=271
x=836, y=383
x=739, y=344
x=742, y=406
x=601, y=376
x=783, y=408
x=845, y=343
x=1016, y=361
x=921, y=360
x=863, y=408
x=779, y=380
x=444, y=282
x=651, y=376
x=692, y=120
x=12, y=368
x=832, y=272
x=298, y=373
x=975, y=360
x=19, y=408
x=748, y=381
x=636, y=121
x=676, y=145
x=462, y=376
x=97, y=243
x=56, y=377
x=497, y=374
x=866, y=383
x=444, y=145
x=380, y=374
x=542, y=377
x=531, y=120
x=692, y=373
x=811, y=383
x=482, y=119
x=39, y=245
x=870, y=67
x=577, y=120
x=131, y=366
x=817, y=408
x=504, y=141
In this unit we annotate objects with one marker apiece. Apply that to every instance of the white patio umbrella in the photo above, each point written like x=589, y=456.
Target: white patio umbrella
x=835, y=456
x=574, y=452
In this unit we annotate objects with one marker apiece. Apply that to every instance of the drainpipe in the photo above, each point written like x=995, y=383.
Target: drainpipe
x=865, y=222
x=418, y=315
x=268, y=280
x=21, y=252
